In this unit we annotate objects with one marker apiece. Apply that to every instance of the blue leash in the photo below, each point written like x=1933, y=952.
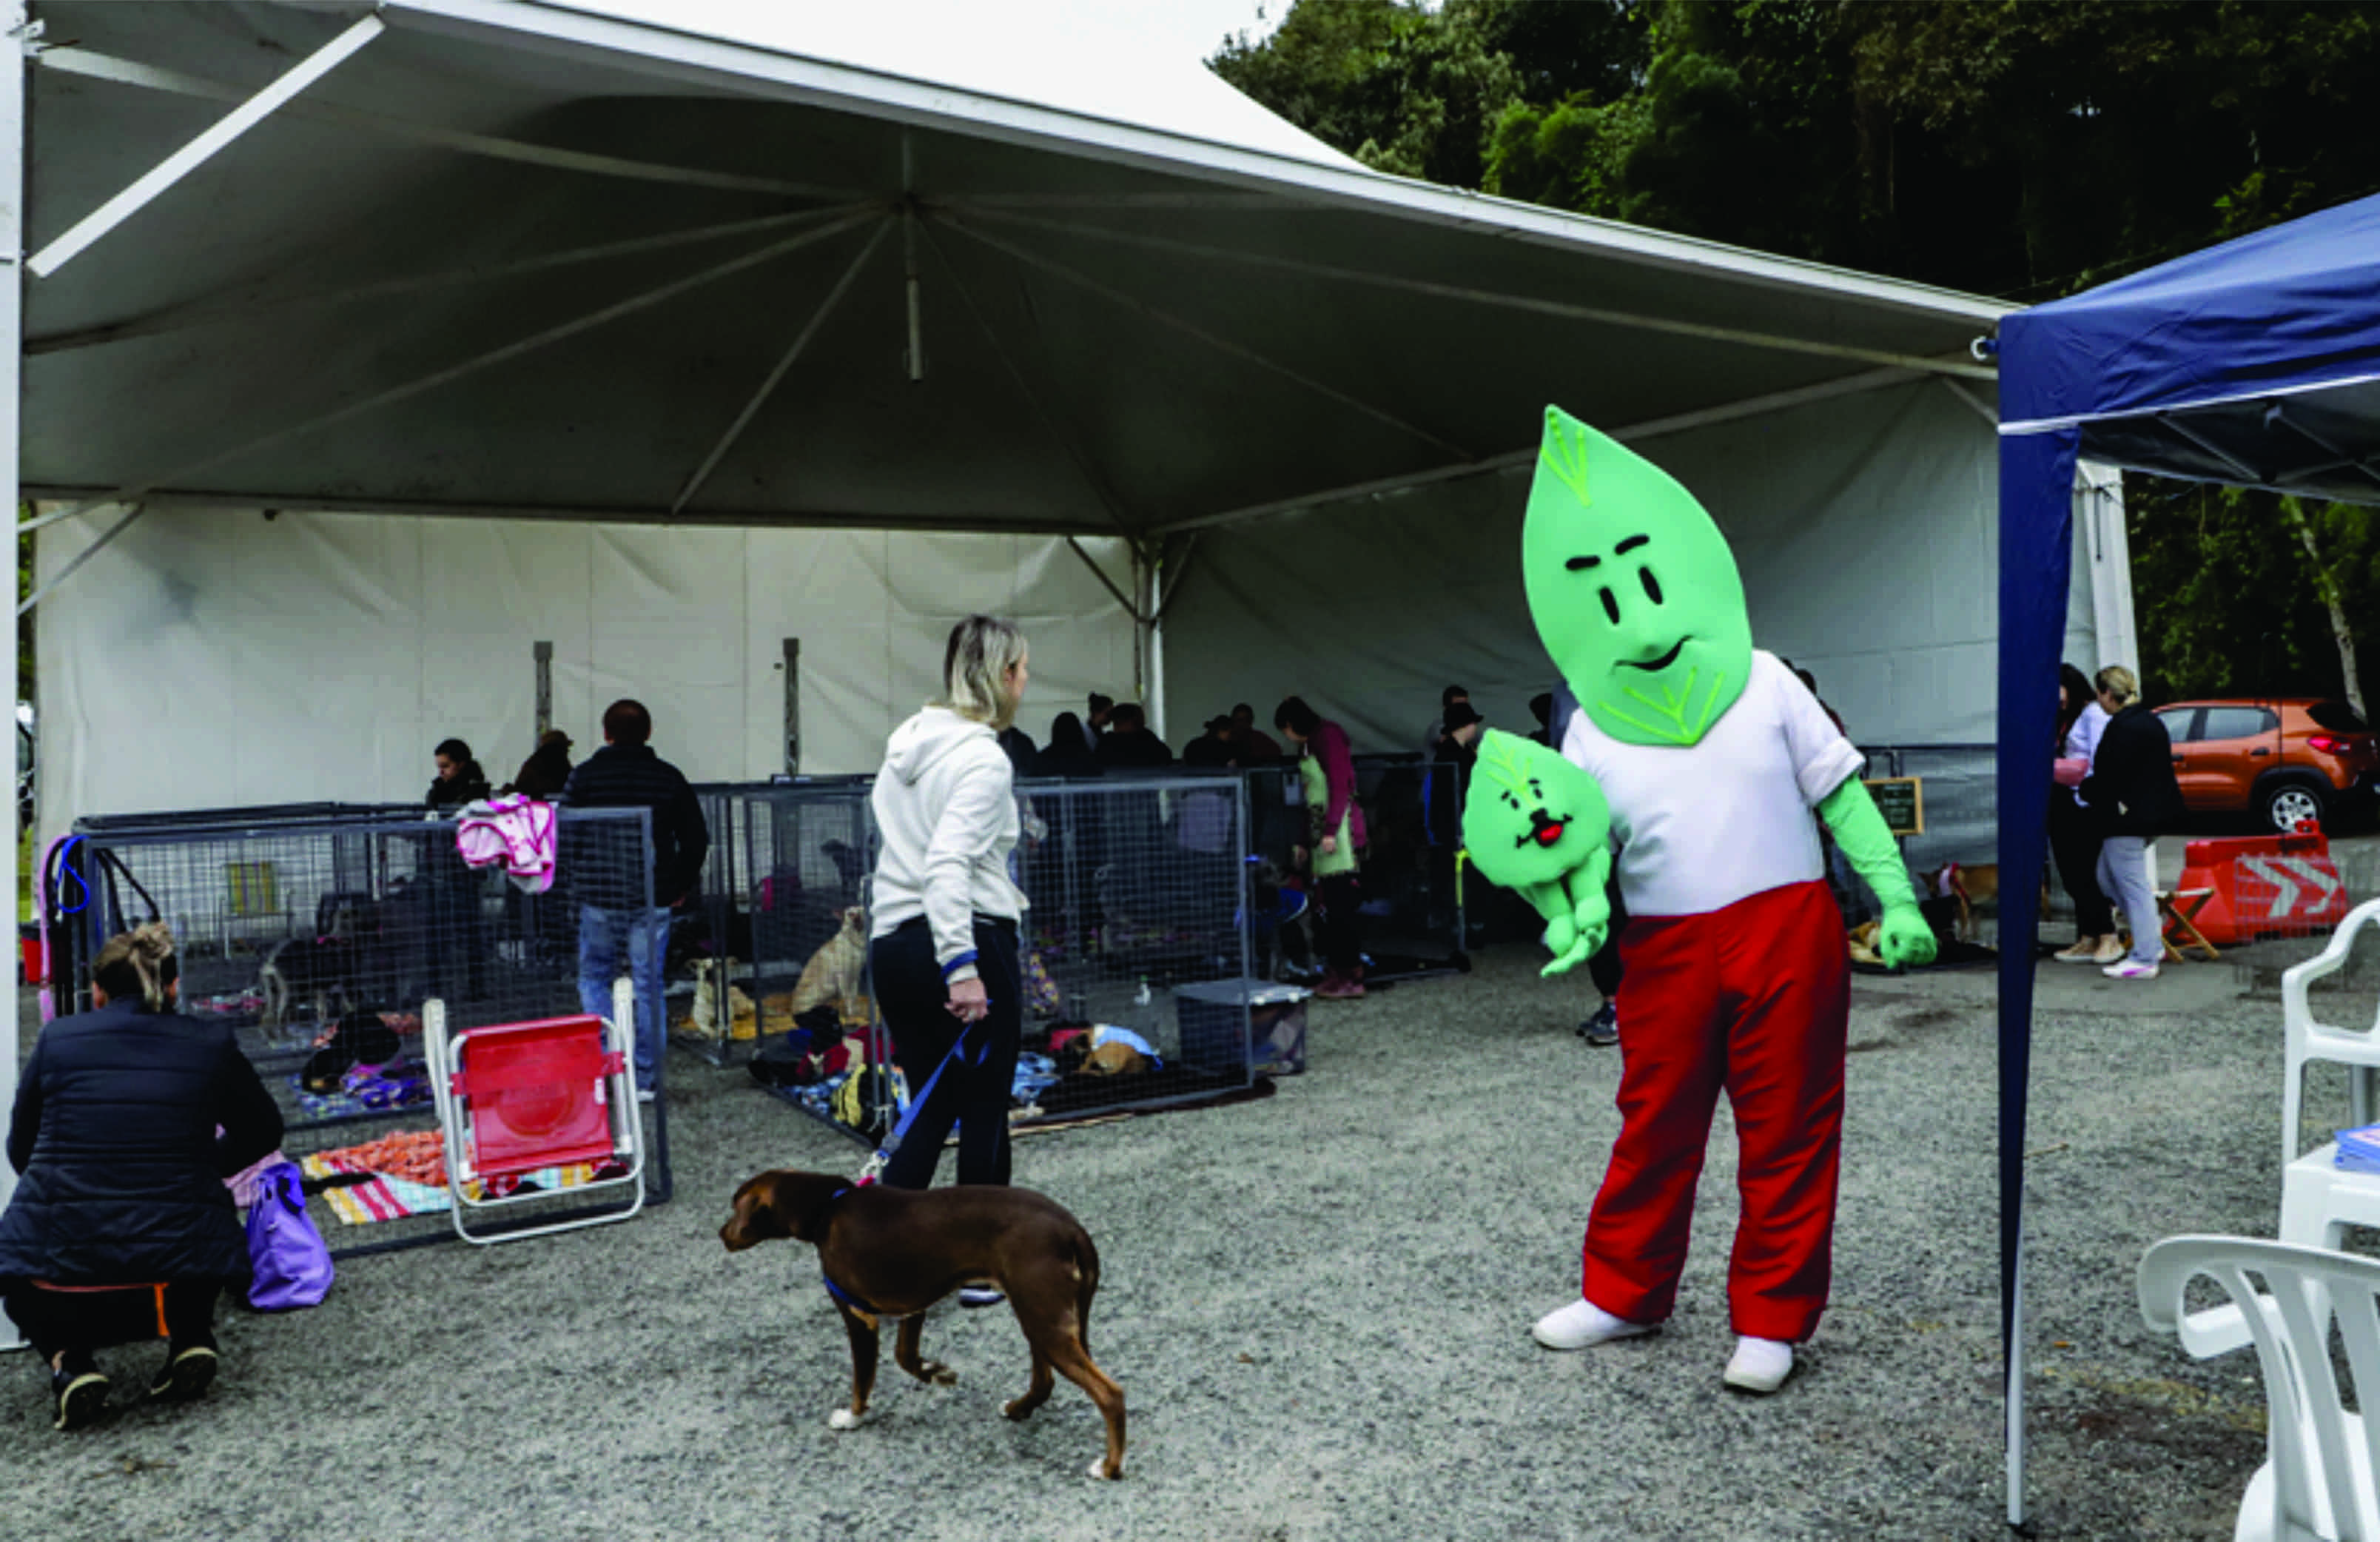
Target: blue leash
x=891, y=1143
x=875, y=1167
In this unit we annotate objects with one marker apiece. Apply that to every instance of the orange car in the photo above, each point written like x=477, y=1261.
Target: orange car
x=2280, y=758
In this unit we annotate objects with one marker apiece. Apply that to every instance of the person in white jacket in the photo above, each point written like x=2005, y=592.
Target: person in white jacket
x=944, y=938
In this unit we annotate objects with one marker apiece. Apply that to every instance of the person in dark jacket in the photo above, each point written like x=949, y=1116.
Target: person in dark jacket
x=547, y=770
x=457, y=934
x=1068, y=754
x=1212, y=750
x=2132, y=790
x=1129, y=745
x=459, y=779
x=614, y=928
x=114, y=1132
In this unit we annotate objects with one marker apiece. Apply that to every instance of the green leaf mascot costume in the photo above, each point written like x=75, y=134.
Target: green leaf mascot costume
x=1710, y=755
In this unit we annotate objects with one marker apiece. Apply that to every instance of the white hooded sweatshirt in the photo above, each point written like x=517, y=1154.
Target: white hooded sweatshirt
x=945, y=807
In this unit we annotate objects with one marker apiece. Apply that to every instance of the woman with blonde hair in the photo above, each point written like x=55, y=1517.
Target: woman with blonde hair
x=116, y=1133
x=2133, y=791
x=945, y=943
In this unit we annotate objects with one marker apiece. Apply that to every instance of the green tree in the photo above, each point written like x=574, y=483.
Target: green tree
x=2019, y=150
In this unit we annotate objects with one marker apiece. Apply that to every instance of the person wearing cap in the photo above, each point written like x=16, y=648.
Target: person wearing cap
x=1443, y=723
x=547, y=770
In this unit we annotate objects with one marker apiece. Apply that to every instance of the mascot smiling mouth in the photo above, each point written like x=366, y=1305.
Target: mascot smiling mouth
x=1657, y=665
x=1544, y=830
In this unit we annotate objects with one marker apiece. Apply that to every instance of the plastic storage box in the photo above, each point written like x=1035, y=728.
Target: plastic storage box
x=1215, y=1016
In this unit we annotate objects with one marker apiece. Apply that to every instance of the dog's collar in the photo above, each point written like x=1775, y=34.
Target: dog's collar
x=845, y=1297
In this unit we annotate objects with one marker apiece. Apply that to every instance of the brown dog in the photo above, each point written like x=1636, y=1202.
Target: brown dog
x=892, y=1253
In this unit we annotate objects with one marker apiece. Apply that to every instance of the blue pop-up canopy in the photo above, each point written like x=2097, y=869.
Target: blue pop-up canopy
x=2256, y=362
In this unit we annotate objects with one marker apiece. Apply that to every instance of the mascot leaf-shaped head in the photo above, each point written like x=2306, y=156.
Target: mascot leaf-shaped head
x=1530, y=815
x=1633, y=589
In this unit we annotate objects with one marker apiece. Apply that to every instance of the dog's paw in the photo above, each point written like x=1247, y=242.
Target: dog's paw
x=1099, y=1470
x=940, y=1375
x=843, y=1418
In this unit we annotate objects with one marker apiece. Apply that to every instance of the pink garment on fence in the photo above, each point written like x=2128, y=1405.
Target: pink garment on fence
x=515, y=830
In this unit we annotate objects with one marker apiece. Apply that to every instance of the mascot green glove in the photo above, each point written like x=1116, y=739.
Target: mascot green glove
x=1536, y=825
x=1713, y=759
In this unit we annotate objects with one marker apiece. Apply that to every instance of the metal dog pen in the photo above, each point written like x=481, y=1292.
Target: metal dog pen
x=302, y=924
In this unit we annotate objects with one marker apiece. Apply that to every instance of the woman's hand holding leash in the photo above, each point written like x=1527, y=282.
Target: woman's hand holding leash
x=968, y=1002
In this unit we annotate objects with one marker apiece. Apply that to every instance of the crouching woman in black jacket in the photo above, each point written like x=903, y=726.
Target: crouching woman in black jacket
x=2133, y=795
x=115, y=1132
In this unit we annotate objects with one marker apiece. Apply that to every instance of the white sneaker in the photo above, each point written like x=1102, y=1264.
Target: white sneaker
x=2130, y=969
x=1581, y=1325
x=1759, y=1365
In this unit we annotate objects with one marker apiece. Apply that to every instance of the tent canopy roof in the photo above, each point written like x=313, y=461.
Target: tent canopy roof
x=520, y=258
x=2255, y=362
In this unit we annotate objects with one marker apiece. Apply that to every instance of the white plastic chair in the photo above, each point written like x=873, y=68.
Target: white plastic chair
x=2316, y=1482
x=2319, y=1199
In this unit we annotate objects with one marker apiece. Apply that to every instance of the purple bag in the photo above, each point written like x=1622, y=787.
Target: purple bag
x=292, y=1263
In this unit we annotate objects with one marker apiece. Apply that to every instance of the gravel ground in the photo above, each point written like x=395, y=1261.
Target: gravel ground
x=1317, y=1306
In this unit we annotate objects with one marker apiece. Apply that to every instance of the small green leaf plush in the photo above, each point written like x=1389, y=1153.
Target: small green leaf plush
x=1537, y=824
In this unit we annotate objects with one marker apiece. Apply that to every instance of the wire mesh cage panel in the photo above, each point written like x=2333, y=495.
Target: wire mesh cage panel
x=1139, y=888
x=809, y=847
x=318, y=936
x=710, y=949
x=1414, y=901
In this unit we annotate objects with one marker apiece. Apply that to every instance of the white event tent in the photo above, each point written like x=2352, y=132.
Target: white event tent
x=364, y=349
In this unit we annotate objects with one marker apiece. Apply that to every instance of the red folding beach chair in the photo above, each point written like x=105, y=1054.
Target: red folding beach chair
x=519, y=1099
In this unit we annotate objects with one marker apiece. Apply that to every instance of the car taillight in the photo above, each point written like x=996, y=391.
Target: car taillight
x=2325, y=744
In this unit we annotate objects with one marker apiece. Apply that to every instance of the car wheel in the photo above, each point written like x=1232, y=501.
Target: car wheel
x=2283, y=806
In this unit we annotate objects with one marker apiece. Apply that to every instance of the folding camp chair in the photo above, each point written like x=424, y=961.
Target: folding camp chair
x=518, y=1097
x=2178, y=916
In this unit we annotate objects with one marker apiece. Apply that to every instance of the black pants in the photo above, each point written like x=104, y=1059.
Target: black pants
x=1338, y=923
x=78, y=1322
x=2074, y=840
x=1603, y=964
x=973, y=1092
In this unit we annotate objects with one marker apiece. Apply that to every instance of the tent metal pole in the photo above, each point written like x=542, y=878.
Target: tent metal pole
x=185, y=317
x=1952, y=364
x=22, y=34
x=125, y=72
x=196, y=154
x=2013, y=1403
x=776, y=375
x=71, y=568
x=916, y=358
x=1220, y=345
x=1180, y=567
x=2182, y=431
x=1102, y=574
x=2344, y=461
x=1989, y=414
x=643, y=300
x=1083, y=466
x=1751, y=406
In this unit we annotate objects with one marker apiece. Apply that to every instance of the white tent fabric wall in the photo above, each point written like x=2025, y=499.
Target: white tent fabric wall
x=1865, y=528
x=321, y=656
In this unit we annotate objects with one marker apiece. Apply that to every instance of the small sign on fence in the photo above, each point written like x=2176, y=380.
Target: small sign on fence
x=1901, y=801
